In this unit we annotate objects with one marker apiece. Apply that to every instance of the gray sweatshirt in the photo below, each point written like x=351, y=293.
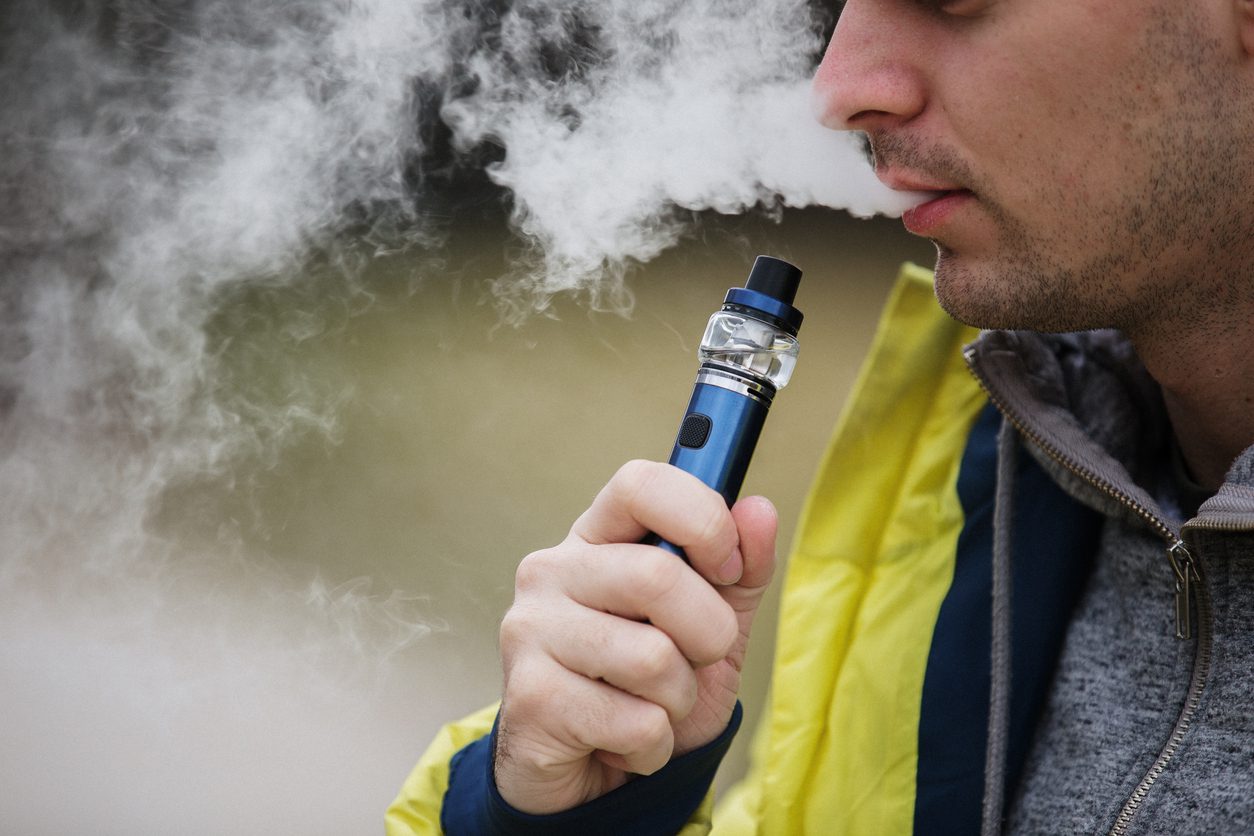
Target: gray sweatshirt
x=1143, y=731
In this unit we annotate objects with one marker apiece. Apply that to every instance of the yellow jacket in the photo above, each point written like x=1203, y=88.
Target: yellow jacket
x=871, y=564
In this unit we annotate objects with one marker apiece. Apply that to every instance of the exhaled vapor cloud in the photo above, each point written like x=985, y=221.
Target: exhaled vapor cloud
x=679, y=107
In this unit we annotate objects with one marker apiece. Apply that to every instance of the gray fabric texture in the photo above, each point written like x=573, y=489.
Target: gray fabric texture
x=1094, y=419
x=999, y=691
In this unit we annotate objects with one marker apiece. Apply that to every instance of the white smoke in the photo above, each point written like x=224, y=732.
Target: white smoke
x=693, y=106
x=160, y=157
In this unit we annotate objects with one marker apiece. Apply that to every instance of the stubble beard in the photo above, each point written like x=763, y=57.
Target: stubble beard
x=1022, y=283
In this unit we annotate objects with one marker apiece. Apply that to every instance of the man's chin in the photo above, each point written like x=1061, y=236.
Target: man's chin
x=955, y=288
x=1004, y=295
x=974, y=294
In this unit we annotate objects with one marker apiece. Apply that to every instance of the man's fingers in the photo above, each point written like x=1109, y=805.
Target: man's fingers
x=757, y=521
x=640, y=583
x=645, y=497
x=593, y=716
x=633, y=657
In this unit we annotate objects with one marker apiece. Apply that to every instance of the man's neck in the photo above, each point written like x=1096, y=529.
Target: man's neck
x=1207, y=378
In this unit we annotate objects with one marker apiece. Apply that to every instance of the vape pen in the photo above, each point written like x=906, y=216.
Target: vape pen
x=747, y=355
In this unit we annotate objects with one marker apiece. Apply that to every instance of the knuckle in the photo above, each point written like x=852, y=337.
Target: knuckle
x=651, y=731
x=715, y=528
x=718, y=638
x=533, y=571
x=678, y=693
x=658, y=577
x=633, y=480
x=633, y=473
x=527, y=694
x=516, y=627
x=655, y=659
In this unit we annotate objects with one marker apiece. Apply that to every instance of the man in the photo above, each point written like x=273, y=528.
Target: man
x=1089, y=165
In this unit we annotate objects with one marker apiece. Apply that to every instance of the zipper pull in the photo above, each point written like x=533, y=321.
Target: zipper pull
x=1182, y=565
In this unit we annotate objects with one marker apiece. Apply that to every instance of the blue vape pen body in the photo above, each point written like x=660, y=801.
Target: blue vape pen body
x=719, y=431
x=747, y=354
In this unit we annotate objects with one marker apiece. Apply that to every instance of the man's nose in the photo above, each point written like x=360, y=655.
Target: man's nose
x=868, y=80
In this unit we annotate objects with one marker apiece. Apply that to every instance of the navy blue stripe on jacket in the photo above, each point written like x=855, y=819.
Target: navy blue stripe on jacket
x=1053, y=543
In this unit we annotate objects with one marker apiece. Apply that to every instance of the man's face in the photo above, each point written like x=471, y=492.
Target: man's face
x=1092, y=156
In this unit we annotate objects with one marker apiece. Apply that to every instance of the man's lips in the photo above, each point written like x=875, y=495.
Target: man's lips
x=934, y=199
x=904, y=180
x=927, y=217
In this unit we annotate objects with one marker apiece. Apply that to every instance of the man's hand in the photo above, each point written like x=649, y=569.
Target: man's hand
x=619, y=655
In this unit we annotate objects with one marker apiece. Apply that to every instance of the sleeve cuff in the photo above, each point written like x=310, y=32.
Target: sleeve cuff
x=657, y=803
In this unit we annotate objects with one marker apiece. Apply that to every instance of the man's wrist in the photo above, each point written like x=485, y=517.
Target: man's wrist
x=657, y=803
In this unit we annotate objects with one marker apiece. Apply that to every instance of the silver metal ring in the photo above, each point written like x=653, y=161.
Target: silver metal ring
x=736, y=383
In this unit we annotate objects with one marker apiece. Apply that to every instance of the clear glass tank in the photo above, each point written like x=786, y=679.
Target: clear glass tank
x=750, y=345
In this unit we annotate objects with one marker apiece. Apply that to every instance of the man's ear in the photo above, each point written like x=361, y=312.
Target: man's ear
x=1245, y=24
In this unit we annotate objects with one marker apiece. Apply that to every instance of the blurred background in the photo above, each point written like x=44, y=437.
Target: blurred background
x=316, y=317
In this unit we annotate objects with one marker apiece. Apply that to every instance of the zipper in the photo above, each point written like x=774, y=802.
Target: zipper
x=1185, y=569
x=1188, y=573
x=1190, y=586
x=1182, y=562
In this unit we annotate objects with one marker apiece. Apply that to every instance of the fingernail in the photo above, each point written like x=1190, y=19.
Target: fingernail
x=731, y=570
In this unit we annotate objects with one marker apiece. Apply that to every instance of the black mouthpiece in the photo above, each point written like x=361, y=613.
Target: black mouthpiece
x=769, y=293
x=774, y=277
